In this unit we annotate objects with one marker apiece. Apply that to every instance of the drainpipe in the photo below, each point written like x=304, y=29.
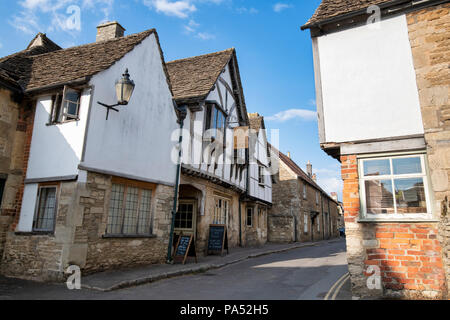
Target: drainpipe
x=182, y=113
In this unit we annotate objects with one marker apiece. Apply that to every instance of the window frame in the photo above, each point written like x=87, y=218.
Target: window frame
x=305, y=223
x=305, y=191
x=2, y=188
x=141, y=186
x=261, y=176
x=50, y=185
x=251, y=217
x=365, y=216
x=227, y=213
x=57, y=114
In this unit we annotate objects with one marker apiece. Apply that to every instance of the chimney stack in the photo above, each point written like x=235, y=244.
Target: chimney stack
x=334, y=195
x=314, y=177
x=309, y=169
x=289, y=155
x=109, y=31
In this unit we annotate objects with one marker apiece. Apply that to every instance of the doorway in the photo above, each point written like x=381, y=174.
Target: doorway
x=186, y=218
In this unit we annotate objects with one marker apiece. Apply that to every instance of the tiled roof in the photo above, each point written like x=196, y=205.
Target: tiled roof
x=15, y=66
x=195, y=77
x=35, y=71
x=333, y=8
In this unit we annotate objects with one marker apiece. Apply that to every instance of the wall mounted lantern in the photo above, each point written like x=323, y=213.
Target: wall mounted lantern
x=124, y=91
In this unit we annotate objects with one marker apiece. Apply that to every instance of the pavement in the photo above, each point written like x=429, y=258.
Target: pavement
x=119, y=279
x=299, y=271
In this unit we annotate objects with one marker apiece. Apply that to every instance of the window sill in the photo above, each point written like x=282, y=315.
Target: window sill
x=34, y=233
x=128, y=236
x=62, y=122
x=413, y=220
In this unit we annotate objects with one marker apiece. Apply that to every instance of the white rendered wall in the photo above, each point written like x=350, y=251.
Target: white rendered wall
x=137, y=140
x=28, y=208
x=263, y=192
x=369, y=86
x=56, y=150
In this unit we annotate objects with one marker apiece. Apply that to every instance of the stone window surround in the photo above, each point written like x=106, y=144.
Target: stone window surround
x=140, y=185
x=429, y=217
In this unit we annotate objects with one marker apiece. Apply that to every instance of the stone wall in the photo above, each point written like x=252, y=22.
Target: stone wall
x=102, y=253
x=407, y=254
x=79, y=235
x=288, y=202
x=41, y=257
x=429, y=34
x=256, y=235
x=205, y=213
x=12, y=137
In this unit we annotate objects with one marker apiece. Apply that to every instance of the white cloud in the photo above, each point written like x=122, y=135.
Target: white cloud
x=278, y=7
x=331, y=184
x=245, y=10
x=181, y=8
x=49, y=15
x=205, y=36
x=293, y=114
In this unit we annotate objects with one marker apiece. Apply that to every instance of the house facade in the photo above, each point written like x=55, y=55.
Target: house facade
x=382, y=82
x=84, y=200
x=301, y=210
x=215, y=186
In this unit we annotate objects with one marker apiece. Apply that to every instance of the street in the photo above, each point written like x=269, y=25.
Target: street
x=302, y=274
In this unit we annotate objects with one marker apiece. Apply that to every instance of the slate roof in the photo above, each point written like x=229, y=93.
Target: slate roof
x=333, y=8
x=33, y=69
x=299, y=172
x=195, y=77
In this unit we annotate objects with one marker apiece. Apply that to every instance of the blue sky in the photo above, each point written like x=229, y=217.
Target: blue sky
x=275, y=57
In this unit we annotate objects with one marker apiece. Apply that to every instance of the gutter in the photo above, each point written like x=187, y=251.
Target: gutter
x=416, y=4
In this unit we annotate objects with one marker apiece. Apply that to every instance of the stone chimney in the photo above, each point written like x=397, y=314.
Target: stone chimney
x=289, y=155
x=334, y=196
x=109, y=30
x=314, y=177
x=309, y=169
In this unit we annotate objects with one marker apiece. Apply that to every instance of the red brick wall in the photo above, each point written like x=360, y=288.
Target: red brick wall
x=26, y=121
x=409, y=255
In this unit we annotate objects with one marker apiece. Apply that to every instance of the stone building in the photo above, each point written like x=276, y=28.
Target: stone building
x=394, y=148
x=301, y=210
x=92, y=191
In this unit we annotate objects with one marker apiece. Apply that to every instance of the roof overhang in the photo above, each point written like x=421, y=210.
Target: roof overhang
x=360, y=17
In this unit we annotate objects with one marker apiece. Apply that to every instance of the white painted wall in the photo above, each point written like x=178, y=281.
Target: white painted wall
x=369, y=86
x=136, y=141
x=56, y=150
x=263, y=192
x=28, y=208
x=193, y=136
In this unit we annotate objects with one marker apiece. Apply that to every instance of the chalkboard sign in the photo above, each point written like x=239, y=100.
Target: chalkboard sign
x=218, y=239
x=185, y=248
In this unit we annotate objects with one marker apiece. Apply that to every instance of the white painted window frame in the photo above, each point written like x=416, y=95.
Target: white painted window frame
x=365, y=216
x=305, y=223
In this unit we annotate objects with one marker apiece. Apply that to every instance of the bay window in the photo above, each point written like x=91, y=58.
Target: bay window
x=394, y=187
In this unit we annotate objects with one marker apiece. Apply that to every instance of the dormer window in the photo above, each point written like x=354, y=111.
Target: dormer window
x=65, y=106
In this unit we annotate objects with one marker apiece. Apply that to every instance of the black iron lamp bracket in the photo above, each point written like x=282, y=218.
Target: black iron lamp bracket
x=110, y=107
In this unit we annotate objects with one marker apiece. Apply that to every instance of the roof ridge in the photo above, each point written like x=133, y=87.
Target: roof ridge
x=93, y=44
x=201, y=56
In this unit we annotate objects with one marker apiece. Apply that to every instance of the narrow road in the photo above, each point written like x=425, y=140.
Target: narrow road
x=301, y=274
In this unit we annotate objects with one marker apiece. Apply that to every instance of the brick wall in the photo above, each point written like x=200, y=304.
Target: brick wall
x=429, y=37
x=408, y=254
